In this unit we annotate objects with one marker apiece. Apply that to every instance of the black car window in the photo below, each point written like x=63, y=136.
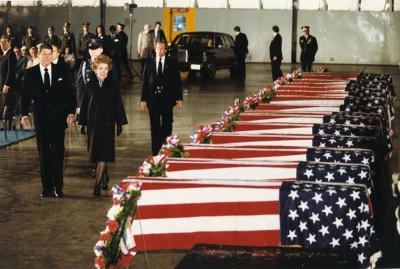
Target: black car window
x=228, y=41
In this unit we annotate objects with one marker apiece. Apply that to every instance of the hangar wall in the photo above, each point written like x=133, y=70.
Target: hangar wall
x=344, y=37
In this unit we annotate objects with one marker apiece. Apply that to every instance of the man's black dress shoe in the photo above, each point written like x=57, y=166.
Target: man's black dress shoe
x=47, y=194
x=58, y=193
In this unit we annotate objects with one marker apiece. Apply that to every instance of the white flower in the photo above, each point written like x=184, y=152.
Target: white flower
x=98, y=248
x=114, y=211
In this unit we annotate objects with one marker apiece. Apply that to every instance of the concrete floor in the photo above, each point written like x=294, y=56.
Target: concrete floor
x=60, y=233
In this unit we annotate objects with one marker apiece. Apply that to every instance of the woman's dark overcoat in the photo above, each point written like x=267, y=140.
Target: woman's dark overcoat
x=101, y=109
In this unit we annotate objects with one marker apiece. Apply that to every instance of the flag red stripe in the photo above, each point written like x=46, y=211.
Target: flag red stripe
x=207, y=209
x=188, y=240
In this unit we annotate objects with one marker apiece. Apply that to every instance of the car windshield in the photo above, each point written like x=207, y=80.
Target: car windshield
x=195, y=40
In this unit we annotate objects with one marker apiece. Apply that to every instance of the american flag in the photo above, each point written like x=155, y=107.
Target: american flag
x=177, y=214
x=360, y=156
x=334, y=172
x=333, y=217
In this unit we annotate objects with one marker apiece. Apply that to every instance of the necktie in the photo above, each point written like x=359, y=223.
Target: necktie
x=46, y=78
x=159, y=72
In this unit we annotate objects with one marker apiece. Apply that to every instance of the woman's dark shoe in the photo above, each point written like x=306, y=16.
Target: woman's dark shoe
x=96, y=190
x=106, y=179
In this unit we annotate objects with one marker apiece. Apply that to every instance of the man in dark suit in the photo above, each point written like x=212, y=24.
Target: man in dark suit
x=20, y=68
x=309, y=48
x=159, y=34
x=123, y=39
x=161, y=91
x=241, y=51
x=49, y=87
x=51, y=38
x=8, y=61
x=275, y=53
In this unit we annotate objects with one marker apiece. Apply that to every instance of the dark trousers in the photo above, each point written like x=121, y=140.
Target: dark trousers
x=50, y=144
x=306, y=66
x=241, y=66
x=276, y=69
x=161, y=119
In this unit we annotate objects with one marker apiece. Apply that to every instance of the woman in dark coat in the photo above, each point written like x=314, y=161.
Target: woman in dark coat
x=102, y=108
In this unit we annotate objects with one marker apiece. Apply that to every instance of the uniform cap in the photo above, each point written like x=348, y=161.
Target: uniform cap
x=85, y=24
x=121, y=24
x=94, y=43
x=305, y=28
x=66, y=24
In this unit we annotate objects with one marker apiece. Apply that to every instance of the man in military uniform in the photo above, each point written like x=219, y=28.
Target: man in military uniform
x=29, y=40
x=123, y=49
x=67, y=39
x=84, y=37
x=12, y=36
x=51, y=38
x=309, y=47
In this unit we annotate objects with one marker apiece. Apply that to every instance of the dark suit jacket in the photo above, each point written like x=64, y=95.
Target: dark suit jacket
x=275, y=48
x=7, y=69
x=309, y=47
x=20, y=67
x=56, y=103
x=170, y=81
x=241, y=44
x=161, y=35
x=123, y=39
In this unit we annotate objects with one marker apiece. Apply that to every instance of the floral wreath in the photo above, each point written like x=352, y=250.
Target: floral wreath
x=116, y=244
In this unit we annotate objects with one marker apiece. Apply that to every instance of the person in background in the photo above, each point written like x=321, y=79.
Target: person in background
x=67, y=39
x=114, y=49
x=20, y=68
x=158, y=33
x=34, y=57
x=69, y=58
x=12, y=36
x=25, y=52
x=51, y=38
x=30, y=40
x=309, y=47
x=101, y=34
x=84, y=37
x=8, y=61
x=123, y=37
x=145, y=45
x=101, y=110
x=275, y=53
x=161, y=91
x=241, y=51
x=48, y=86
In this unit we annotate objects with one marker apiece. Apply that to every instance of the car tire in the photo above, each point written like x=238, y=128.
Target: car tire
x=209, y=70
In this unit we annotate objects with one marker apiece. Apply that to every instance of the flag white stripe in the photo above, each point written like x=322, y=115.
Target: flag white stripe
x=207, y=224
x=250, y=173
x=309, y=102
x=288, y=120
x=299, y=143
x=301, y=130
x=300, y=157
x=206, y=195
